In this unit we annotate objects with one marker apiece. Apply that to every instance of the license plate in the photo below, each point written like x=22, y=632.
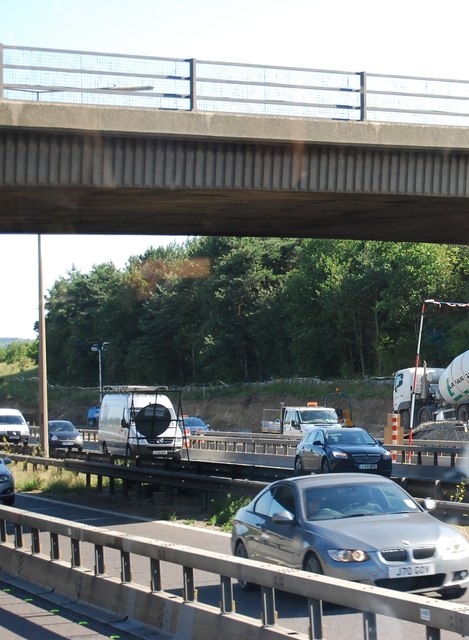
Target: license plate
x=367, y=466
x=410, y=571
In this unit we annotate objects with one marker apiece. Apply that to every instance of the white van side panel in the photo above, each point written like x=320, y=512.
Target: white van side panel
x=110, y=431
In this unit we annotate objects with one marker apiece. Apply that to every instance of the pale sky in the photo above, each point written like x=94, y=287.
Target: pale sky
x=405, y=37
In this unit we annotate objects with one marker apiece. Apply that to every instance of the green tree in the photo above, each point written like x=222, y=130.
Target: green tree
x=78, y=314
x=19, y=354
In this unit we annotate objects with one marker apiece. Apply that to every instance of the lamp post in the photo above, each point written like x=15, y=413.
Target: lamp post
x=43, y=406
x=100, y=347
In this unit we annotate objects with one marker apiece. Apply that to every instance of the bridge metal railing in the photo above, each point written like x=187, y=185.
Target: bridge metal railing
x=97, y=78
x=25, y=537
x=221, y=473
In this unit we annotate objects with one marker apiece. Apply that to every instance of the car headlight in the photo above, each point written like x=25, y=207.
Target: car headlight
x=386, y=454
x=340, y=454
x=53, y=438
x=4, y=477
x=348, y=555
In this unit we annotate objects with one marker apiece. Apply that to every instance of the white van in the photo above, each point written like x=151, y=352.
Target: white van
x=13, y=426
x=135, y=420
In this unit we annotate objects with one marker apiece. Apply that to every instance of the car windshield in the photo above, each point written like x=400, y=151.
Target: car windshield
x=194, y=422
x=322, y=416
x=11, y=420
x=61, y=426
x=345, y=437
x=347, y=501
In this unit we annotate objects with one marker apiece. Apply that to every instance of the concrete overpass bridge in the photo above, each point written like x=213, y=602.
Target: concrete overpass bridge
x=97, y=169
x=302, y=153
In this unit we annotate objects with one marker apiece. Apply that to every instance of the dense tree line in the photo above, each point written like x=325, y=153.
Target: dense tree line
x=247, y=309
x=20, y=353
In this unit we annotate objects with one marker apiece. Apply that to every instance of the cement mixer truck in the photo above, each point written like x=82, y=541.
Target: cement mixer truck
x=440, y=394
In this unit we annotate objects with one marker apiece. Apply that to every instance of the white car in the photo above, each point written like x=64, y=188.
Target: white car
x=13, y=426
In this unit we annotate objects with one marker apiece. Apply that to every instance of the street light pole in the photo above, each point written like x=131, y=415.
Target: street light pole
x=43, y=406
x=100, y=347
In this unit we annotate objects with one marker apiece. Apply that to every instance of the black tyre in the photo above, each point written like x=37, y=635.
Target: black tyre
x=299, y=469
x=242, y=553
x=452, y=593
x=462, y=413
x=426, y=416
x=313, y=565
x=405, y=420
x=325, y=466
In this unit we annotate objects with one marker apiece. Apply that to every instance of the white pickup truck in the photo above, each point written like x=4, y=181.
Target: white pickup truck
x=299, y=420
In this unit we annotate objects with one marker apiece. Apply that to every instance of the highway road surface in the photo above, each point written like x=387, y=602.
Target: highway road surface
x=16, y=607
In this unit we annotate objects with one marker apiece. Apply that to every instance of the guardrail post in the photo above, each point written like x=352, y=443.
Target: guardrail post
x=18, y=536
x=362, y=75
x=433, y=633
x=315, y=619
x=35, y=541
x=189, y=591
x=193, y=84
x=54, y=546
x=369, y=626
x=126, y=572
x=1, y=71
x=99, y=567
x=227, y=602
x=76, y=556
x=268, y=606
x=155, y=575
x=3, y=531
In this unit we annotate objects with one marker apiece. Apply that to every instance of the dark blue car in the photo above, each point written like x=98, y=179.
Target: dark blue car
x=326, y=450
x=195, y=425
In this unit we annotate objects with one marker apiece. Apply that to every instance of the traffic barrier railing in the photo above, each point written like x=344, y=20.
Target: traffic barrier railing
x=85, y=574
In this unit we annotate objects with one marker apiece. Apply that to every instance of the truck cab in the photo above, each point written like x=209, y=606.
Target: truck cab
x=302, y=419
x=427, y=395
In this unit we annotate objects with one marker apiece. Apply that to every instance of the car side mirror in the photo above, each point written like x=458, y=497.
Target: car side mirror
x=295, y=424
x=6, y=460
x=124, y=424
x=317, y=443
x=283, y=517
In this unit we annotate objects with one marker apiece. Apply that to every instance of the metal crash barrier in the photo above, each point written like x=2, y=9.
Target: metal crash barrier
x=172, y=608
